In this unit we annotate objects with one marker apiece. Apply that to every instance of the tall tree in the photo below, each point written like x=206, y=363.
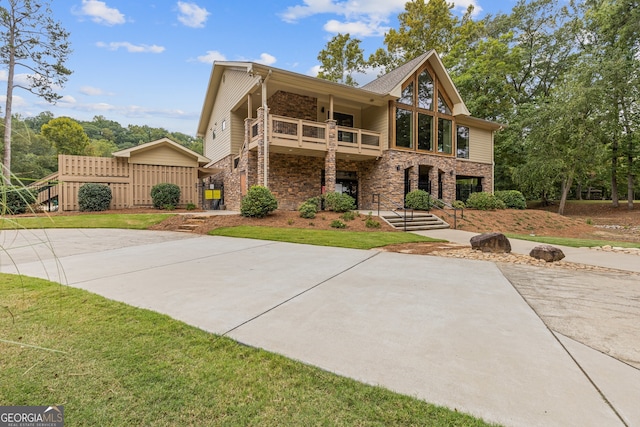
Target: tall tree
x=611, y=42
x=425, y=25
x=66, y=135
x=31, y=39
x=340, y=59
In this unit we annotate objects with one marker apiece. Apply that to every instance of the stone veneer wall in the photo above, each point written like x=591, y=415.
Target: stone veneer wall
x=294, y=179
x=292, y=105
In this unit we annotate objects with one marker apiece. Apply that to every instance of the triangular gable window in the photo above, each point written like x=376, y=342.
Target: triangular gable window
x=442, y=106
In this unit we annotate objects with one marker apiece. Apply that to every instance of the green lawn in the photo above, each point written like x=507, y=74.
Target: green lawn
x=337, y=238
x=130, y=221
x=574, y=243
x=110, y=364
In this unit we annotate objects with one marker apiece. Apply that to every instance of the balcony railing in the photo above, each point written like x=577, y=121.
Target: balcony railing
x=305, y=134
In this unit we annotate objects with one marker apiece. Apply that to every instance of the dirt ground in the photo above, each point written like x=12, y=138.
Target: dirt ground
x=588, y=221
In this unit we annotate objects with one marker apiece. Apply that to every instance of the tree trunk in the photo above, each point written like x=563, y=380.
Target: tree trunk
x=579, y=192
x=630, y=195
x=566, y=187
x=614, y=174
x=6, y=161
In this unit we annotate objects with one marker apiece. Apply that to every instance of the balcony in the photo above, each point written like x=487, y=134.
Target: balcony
x=293, y=136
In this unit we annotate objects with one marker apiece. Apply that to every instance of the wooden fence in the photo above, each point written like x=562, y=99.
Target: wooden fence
x=130, y=183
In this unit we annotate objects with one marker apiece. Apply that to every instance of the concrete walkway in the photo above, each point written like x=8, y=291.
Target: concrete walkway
x=452, y=332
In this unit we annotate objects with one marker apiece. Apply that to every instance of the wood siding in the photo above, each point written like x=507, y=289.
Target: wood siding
x=480, y=145
x=130, y=183
x=377, y=119
x=163, y=155
x=233, y=89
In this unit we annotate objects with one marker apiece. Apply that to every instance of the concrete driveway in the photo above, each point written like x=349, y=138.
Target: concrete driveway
x=452, y=332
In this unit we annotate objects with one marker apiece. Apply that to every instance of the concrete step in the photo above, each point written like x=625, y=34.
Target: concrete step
x=420, y=221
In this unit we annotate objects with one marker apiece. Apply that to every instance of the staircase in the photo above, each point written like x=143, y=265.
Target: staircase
x=191, y=223
x=417, y=221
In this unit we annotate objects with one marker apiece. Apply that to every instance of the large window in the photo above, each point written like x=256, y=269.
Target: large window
x=404, y=128
x=423, y=119
x=444, y=136
x=462, y=142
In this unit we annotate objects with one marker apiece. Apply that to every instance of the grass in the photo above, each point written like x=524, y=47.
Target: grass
x=129, y=221
x=111, y=364
x=571, y=242
x=341, y=239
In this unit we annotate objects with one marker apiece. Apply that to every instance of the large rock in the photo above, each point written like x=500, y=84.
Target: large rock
x=491, y=242
x=547, y=252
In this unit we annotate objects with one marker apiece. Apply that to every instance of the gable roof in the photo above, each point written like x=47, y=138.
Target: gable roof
x=159, y=143
x=391, y=83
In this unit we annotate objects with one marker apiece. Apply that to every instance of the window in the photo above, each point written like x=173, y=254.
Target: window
x=404, y=128
x=444, y=136
x=462, y=142
x=442, y=106
x=423, y=119
x=425, y=131
x=345, y=120
x=425, y=91
x=407, y=95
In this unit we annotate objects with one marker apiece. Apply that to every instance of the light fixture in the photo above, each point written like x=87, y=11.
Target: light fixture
x=398, y=168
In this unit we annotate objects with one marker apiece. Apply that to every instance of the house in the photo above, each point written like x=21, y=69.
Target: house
x=301, y=136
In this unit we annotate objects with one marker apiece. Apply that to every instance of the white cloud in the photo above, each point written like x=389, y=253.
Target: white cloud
x=18, y=101
x=211, y=56
x=192, y=15
x=361, y=18
x=356, y=29
x=101, y=13
x=266, y=59
x=132, y=48
x=67, y=100
x=313, y=71
x=91, y=91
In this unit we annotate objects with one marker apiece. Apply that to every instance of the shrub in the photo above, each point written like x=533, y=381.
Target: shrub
x=94, y=197
x=15, y=200
x=258, y=202
x=308, y=210
x=191, y=207
x=484, y=201
x=339, y=202
x=165, y=194
x=513, y=199
x=348, y=216
x=336, y=223
x=418, y=199
x=372, y=223
x=458, y=204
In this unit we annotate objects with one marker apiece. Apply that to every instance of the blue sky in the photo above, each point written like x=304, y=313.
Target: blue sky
x=149, y=62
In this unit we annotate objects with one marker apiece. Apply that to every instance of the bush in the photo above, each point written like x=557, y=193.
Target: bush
x=258, y=202
x=336, y=223
x=484, y=201
x=308, y=210
x=418, y=199
x=15, y=200
x=513, y=199
x=191, y=207
x=165, y=194
x=349, y=216
x=371, y=223
x=94, y=197
x=458, y=204
x=339, y=202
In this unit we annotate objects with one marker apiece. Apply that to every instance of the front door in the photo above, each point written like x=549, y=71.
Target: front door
x=347, y=183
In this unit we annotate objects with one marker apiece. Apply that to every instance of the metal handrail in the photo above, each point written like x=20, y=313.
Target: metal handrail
x=395, y=205
x=434, y=202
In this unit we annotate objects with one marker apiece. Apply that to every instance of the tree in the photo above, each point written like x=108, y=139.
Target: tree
x=66, y=135
x=424, y=26
x=33, y=40
x=611, y=44
x=340, y=59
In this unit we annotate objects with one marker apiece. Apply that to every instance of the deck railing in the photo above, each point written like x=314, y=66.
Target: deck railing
x=315, y=135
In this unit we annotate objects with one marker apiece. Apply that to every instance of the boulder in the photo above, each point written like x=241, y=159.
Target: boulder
x=547, y=252
x=491, y=242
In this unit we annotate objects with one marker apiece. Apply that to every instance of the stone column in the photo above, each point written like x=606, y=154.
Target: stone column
x=433, y=177
x=330, y=158
x=261, y=159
